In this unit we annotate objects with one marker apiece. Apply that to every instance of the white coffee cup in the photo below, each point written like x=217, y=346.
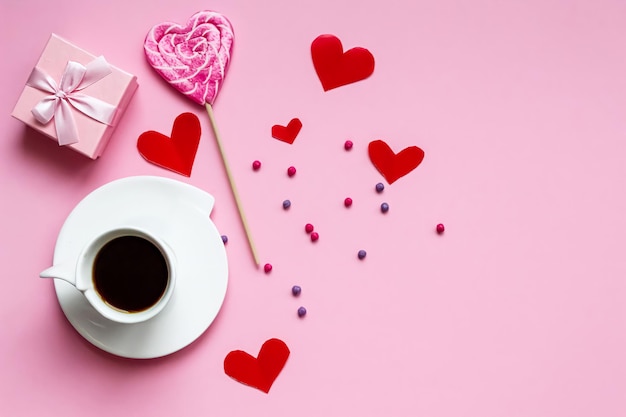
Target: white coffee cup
x=125, y=263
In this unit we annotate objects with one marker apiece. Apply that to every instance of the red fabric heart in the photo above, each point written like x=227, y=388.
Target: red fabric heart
x=259, y=372
x=287, y=133
x=177, y=152
x=391, y=165
x=334, y=67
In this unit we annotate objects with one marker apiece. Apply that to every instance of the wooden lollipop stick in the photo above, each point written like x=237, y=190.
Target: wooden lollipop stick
x=244, y=222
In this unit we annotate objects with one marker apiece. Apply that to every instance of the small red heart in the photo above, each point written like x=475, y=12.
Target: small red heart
x=394, y=166
x=334, y=67
x=177, y=152
x=259, y=372
x=287, y=133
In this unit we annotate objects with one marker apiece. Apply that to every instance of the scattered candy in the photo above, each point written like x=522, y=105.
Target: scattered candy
x=291, y=171
x=314, y=236
x=225, y=239
x=301, y=312
x=296, y=290
x=380, y=187
x=347, y=202
x=308, y=227
x=348, y=145
x=267, y=268
x=440, y=228
x=384, y=207
x=362, y=254
x=286, y=204
x=256, y=165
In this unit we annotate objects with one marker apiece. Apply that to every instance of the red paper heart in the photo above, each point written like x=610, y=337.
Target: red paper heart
x=394, y=166
x=177, y=152
x=287, y=133
x=259, y=372
x=336, y=68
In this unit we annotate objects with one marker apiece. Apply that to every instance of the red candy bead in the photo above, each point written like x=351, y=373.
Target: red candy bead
x=314, y=236
x=267, y=268
x=348, y=145
x=347, y=202
x=308, y=228
x=440, y=228
x=291, y=171
x=256, y=165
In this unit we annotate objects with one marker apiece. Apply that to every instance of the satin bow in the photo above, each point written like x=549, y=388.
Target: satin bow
x=64, y=96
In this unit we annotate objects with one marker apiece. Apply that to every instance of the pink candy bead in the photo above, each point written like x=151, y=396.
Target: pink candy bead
x=256, y=165
x=347, y=202
x=314, y=236
x=348, y=145
x=308, y=228
x=440, y=228
x=267, y=268
x=291, y=171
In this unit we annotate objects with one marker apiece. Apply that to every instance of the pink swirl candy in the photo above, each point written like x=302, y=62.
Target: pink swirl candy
x=193, y=58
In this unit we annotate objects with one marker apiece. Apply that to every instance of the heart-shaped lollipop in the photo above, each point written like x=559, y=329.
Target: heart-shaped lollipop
x=192, y=58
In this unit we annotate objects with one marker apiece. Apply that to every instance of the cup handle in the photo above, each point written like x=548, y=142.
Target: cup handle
x=64, y=272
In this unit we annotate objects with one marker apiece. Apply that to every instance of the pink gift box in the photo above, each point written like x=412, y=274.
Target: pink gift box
x=115, y=89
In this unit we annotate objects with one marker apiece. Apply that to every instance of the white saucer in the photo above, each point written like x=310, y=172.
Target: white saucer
x=182, y=212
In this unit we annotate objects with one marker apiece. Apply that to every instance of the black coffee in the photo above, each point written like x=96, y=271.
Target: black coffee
x=130, y=273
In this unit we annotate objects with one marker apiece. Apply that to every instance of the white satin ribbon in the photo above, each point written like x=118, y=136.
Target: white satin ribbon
x=63, y=97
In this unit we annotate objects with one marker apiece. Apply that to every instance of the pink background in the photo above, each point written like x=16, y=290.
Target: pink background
x=517, y=310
